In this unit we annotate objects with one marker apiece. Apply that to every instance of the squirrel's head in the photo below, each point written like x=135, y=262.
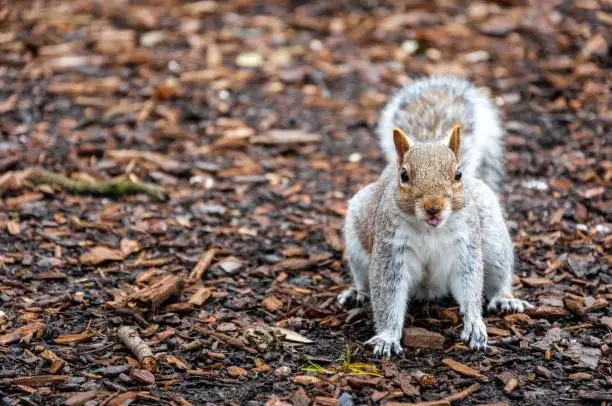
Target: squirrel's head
x=429, y=181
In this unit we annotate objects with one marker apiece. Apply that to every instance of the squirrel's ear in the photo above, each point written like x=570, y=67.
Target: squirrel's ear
x=402, y=144
x=455, y=139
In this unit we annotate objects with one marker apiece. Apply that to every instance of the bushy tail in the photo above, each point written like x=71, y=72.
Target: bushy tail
x=386, y=123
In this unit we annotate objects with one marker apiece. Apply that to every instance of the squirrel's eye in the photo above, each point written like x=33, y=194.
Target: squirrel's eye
x=404, y=175
x=458, y=174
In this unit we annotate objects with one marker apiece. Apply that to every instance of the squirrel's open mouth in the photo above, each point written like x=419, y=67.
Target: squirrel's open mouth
x=433, y=221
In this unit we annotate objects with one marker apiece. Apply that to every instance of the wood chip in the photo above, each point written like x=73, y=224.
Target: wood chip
x=547, y=312
x=201, y=296
x=198, y=271
x=462, y=368
x=536, y=282
x=81, y=398
x=75, y=338
x=272, y=304
x=98, y=255
x=305, y=380
x=40, y=380
x=285, y=137
x=417, y=337
x=235, y=371
x=580, y=376
x=142, y=376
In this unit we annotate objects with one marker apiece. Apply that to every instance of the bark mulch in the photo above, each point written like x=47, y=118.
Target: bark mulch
x=173, y=177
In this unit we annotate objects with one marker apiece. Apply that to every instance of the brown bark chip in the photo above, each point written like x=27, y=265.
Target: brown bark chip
x=175, y=176
x=417, y=337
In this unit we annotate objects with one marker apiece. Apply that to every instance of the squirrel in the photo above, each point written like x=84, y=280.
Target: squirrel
x=432, y=224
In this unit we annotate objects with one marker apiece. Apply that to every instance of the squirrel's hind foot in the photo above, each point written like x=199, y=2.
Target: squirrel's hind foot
x=475, y=334
x=384, y=345
x=352, y=294
x=508, y=305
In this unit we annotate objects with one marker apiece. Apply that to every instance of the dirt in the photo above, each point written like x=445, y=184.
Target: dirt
x=258, y=120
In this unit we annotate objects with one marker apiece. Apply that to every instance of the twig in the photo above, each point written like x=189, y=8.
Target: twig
x=119, y=186
x=139, y=348
x=444, y=401
x=464, y=393
x=202, y=265
x=506, y=340
x=225, y=338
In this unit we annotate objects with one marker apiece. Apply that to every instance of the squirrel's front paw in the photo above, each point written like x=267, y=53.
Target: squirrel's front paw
x=385, y=343
x=505, y=304
x=475, y=334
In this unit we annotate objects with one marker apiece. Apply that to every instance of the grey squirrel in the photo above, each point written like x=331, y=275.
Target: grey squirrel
x=432, y=225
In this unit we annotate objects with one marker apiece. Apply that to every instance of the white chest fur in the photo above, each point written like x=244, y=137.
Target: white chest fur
x=428, y=256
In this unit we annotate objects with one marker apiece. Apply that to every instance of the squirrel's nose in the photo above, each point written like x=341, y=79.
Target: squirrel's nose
x=432, y=211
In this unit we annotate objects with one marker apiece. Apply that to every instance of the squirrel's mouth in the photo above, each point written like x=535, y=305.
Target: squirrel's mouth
x=433, y=221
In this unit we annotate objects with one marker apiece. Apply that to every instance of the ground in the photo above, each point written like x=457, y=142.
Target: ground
x=257, y=119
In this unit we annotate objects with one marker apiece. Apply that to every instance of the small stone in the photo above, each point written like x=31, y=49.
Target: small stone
x=534, y=184
x=410, y=46
x=345, y=399
x=355, y=157
x=152, y=38
x=282, y=371
x=249, y=60
x=230, y=267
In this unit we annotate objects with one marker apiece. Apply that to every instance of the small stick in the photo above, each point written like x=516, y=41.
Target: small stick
x=139, y=348
x=463, y=394
x=202, y=265
x=119, y=186
x=444, y=401
x=225, y=338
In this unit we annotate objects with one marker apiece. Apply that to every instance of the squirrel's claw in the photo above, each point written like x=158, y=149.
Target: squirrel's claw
x=350, y=294
x=384, y=345
x=508, y=305
x=475, y=334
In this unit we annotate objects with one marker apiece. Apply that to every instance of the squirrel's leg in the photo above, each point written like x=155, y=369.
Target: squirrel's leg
x=389, y=286
x=466, y=286
x=498, y=283
x=498, y=260
x=359, y=263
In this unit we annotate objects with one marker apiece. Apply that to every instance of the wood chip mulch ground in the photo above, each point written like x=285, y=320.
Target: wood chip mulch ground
x=173, y=177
